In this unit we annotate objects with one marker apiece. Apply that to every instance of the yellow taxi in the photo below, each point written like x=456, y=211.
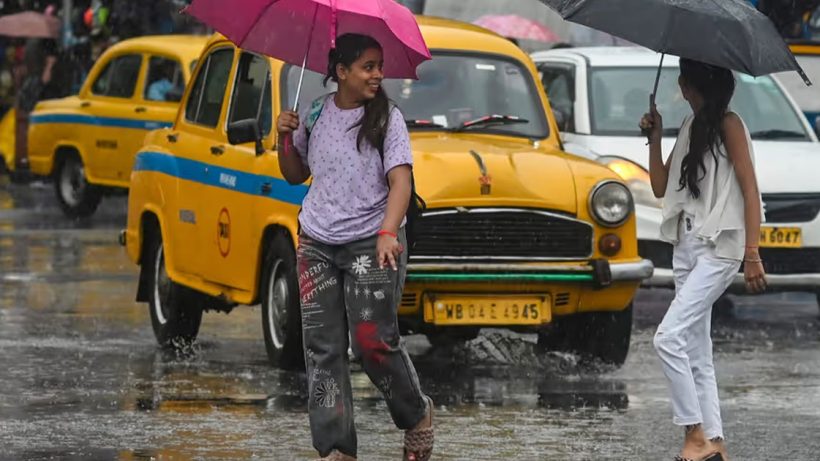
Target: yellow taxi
x=87, y=142
x=516, y=233
x=807, y=53
x=7, y=126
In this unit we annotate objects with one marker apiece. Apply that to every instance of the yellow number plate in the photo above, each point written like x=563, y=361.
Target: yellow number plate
x=781, y=237
x=477, y=310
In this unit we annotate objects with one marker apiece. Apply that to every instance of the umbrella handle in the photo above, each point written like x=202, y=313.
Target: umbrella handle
x=645, y=131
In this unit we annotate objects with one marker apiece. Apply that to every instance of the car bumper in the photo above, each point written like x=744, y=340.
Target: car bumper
x=662, y=278
x=598, y=272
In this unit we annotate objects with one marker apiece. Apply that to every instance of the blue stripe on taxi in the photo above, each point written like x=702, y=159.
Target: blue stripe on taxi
x=224, y=178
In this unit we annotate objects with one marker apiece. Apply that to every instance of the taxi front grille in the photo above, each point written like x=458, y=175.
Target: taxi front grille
x=500, y=234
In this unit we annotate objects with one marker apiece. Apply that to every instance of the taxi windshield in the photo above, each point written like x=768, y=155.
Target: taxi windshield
x=620, y=96
x=453, y=90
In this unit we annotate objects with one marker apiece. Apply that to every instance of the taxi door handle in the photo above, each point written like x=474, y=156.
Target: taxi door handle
x=217, y=150
x=140, y=110
x=85, y=104
x=172, y=137
x=266, y=188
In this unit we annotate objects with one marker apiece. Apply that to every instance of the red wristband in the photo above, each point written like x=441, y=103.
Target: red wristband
x=384, y=232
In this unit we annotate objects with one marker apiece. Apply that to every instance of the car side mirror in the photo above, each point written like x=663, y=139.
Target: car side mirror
x=174, y=95
x=245, y=131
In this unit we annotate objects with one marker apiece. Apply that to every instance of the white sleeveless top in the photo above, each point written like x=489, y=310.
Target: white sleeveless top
x=719, y=210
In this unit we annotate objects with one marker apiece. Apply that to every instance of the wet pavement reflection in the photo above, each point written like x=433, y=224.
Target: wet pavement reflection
x=81, y=377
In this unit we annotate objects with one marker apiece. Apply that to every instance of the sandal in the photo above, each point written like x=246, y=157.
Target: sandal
x=337, y=455
x=713, y=457
x=418, y=443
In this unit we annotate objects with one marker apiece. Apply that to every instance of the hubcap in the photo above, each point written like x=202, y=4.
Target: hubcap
x=72, y=182
x=162, y=285
x=278, y=296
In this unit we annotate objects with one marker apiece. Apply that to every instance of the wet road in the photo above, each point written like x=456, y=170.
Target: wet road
x=81, y=378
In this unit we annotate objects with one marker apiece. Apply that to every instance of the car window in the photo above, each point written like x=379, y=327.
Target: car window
x=807, y=97
x=205, y=101
x=165, y=81
x=559, y=83
x=119, y=77
x=620, y=96
x=445, y=92
x=252, y=92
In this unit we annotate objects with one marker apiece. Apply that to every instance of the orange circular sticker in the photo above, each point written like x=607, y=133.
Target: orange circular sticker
x=223, y=232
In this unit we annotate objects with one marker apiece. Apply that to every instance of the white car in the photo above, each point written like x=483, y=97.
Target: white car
x=599, y=95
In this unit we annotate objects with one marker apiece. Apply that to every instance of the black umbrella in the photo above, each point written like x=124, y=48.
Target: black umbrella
x=725, y=33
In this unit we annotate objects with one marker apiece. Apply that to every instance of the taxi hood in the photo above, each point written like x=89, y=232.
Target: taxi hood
x=448, y=170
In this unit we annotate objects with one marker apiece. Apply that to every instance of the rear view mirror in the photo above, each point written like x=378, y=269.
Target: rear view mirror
x=245, y=131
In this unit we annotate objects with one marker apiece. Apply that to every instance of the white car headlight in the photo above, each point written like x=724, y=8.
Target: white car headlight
x=635, y=177
x=610, y=203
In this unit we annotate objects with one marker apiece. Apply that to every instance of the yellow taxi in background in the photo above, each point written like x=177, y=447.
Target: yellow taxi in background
x=807, y=98
x=7, y=124
x=87, y=142
x=516, y=233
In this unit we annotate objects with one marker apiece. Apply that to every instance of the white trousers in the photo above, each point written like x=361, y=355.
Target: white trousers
x=683, y=339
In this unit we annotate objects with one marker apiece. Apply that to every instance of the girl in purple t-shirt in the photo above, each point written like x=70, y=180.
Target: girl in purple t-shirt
x=351, y=259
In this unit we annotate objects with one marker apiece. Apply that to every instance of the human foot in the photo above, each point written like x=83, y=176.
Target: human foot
x=696, y=447
x=337, y=455
x=418, y=442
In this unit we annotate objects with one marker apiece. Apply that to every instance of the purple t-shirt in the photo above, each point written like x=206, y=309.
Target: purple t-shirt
x=348, y=197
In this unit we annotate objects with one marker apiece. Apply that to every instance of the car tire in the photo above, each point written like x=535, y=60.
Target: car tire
x=175, y=313
x=604, y=336
x=281, y=312
x=450, y=337
x=77, y=198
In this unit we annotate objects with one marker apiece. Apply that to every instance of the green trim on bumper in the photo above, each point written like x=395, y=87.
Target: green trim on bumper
x=491, y=277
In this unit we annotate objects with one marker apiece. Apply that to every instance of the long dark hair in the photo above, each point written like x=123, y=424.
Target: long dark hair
x=716, y=85
x=349, y=48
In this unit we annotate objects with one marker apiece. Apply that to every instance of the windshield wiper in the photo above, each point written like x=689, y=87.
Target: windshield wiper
x=422, y=124
x=778, y=134
x=489, y=120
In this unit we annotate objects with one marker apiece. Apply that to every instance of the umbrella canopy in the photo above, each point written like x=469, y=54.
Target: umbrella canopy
x=518, y=27
x=304, y=31
x=725, y=33
x=29, y=24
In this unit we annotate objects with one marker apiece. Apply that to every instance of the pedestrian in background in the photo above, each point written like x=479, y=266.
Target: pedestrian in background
x=711, y=214
x=351, y=257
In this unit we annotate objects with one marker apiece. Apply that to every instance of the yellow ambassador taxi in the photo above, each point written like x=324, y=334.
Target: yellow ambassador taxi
x=516, y=233
x=7, y=125
x=87, y=142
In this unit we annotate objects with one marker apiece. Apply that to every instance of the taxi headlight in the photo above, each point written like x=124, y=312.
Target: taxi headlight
x=635, y=177
x=610, y=203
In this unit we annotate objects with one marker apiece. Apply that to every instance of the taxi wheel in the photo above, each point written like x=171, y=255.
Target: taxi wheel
x=174, y=315
x=609, y=334
x=281, y=313
x=76, y=196
x=451, y=337
x=604, y=336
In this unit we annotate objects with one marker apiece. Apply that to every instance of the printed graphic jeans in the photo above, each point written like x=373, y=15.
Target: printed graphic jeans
x=683, y=339
x=343, y=290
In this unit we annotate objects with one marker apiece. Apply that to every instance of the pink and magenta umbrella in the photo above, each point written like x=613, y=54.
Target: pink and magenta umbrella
x=302, y=32
x=518, y=27
x=29, y=24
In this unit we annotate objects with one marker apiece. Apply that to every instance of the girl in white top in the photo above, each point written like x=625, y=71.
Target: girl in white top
x=711, y=214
